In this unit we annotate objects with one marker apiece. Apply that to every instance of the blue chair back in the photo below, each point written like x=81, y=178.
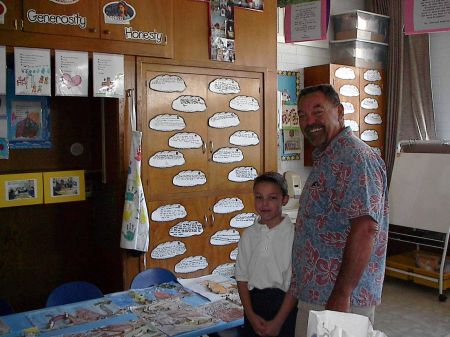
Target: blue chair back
x=151, y=277
x=71, y=292
x=5, y=308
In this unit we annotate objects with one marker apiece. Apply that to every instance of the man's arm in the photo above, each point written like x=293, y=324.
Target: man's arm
x=357, y=252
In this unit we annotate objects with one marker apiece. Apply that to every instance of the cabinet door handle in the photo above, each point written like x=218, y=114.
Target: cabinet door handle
x=212, y=219
x=107, y=32
x=21, y=24
x=211, y=146
x=93, y=30
x=206, y=220
x=204, y=147
x=15, y=24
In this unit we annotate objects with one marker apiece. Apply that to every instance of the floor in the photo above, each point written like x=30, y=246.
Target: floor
x=410, y=310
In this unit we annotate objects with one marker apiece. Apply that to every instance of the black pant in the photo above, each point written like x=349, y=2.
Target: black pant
x=266, y=303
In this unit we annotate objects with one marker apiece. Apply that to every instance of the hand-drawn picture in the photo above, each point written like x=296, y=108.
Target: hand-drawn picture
x=189, y=103
x=348, y=108
x=228, y=205
x=224, y=86
x=167, y=123
x=369, y=103
x=369, y=135
x=186, y=229
x=166, y=250
x=108, y=75
x=191, y=264
x=349, y=90
x=221, y=120
x=167, y=83
x=244, y=103
x=32, y=71
x=165, y=159
x=244, y=138
x=242, y=174
x=64, y=186
x=292, y=144
x=225, y=237
x=289, y=117
x=26, y=120
x=186, y=140
x=226, y=269
x=226, y=155
x=169, y=213
x=352, y=124
x=189, y=178
x=372, y=89
x=243, y=220
x=345, y=73
x=372, y=75
x=20, y=189
x=234, y=253
x=72, y=73
x=373, y=118
x=118, y=13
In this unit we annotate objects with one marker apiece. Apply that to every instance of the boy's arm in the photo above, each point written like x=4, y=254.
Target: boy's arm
x=273, y=327
x=257, y=322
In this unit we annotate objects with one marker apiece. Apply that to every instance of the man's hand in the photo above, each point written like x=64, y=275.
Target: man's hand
x=337, y=302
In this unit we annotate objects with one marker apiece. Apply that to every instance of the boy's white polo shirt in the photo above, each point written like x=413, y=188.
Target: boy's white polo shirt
x=264, y=255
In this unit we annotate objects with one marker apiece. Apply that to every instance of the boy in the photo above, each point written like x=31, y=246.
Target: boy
x=263, y=267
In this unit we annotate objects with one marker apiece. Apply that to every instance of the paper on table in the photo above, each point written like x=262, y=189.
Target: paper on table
x=214, y=287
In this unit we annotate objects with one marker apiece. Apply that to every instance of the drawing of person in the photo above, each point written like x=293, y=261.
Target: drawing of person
x=122, y=10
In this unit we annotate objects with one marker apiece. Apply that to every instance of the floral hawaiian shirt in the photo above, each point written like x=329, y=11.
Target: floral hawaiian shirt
x=348, y=180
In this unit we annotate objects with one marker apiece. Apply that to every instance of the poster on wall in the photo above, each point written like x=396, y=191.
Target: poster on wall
x=306, y=21
x=108, y=75
x=426, y=16
x=2, y=70
x=71, y=73
x=32, y=71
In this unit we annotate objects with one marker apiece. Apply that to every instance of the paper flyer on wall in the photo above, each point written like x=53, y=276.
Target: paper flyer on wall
x=426, y=16
x=32, y=71
x=71, y=73
x=2, y=70
x=108, y=75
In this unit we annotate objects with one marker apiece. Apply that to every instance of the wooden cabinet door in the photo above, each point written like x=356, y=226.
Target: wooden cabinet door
x=10, y=10
x=77, y=19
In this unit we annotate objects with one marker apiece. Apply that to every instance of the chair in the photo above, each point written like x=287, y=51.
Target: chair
x=151, y=277
x=71, y=292
x=5, y=308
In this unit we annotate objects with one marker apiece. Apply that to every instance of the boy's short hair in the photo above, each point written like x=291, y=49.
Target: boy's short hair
x=275, y=178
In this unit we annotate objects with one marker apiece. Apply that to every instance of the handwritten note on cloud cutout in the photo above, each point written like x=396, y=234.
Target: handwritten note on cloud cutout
x=167, y=123
x=372, y=75
x=226, y=269
x=169, y=212
x=353, y=124
x=169, y=249
x=349, y=90
x=373, y=119
x=224, y=86
x=227, y=155
x=345, y=73
x=244, y=138
x=225, y=237
x=222, y=120
x=186, y=140
x=348, y=108
x=189, y=103
x=369, y=135
x=243, y=220
x=189, y=178
x=242, y=174
x=191, y=264
x=244, y=103
x=167, y=83
x=234, y=253
x=372, y=89
x=228, y=205
x=186, y=229
x=166, y=159
x=369, y=103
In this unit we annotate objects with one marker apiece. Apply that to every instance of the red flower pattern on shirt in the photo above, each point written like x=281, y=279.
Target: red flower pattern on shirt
x=327, y=271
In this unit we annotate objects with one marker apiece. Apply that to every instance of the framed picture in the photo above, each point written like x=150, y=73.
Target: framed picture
x=21, y=189
x=64, y=186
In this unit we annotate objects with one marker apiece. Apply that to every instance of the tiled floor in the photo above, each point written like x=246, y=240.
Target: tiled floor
x=410, y=310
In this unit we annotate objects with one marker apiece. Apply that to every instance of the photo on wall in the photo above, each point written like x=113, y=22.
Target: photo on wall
x=21, y=189
x=64, y=186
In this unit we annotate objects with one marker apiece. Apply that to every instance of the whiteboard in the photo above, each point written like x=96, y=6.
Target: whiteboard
x=419, y=192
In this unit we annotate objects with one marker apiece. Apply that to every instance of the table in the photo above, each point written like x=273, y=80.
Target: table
x=169, y=308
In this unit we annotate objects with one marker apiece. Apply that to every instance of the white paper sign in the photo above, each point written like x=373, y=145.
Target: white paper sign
x=226, y=269
x=234, y=254
x=373, y=119
x=369, y=135
x=169, y=249
x=244, y=138
x=191, y=264
x=353, y=124
x=345, y=73
x=169, y=212
x=32, y=71
x=304, y=22
x=189, y=178
x=244, y=103
x=189, y=103
x=108, y=75
x=186, y=140
x=227, y=155
x=186, y=229
x=225, y=237
x=71, y=73
x=372, y=89
x=221, y=120
x=348, y=108
x=372, y=75
x=242, y=174
x=167, y=83
x=166, y=159
x=349, y=90
x=369, y=103
x=243, y=220
x=228, y=205
x=167, y=123
x=2, y=70
x=224, y=86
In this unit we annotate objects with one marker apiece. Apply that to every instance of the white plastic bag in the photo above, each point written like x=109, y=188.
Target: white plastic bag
x=340, y=324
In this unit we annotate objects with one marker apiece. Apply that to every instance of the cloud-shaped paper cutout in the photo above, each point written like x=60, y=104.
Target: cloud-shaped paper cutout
x=244, y=103
x=242, y=174
x=167, y=122
x=348, y=108
x=167, y=83
x=349, y=90
x=372, y=89
x=353, y=124
x=372, y=75
x=165, y=159
x=234, y=254
x=226, y=269
x=169, y=212
x=191, y=264
x=188, y=103
x=169, y=249
x=244, y=138
x=225, y=237
x=189, y=178
x=228, y=205
x=243, y=220
x=186, y=140
x=186, y=229
x=345, y=73
x=369, y=135
x=226, y=155
x=222, y=120
x=373, y=119
x=369, y=103
x=224, y=86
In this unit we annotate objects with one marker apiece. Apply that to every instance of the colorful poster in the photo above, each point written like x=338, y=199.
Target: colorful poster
x=108, y=75
x=71, y=73
x=426, y=16
x=26, y=120
x=32, y=71
x=306, y=21
x=2, y=70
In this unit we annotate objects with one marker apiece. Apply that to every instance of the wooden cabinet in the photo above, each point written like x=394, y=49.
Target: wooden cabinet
x=11, y=12
x=201, y=148
x=361, y=92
